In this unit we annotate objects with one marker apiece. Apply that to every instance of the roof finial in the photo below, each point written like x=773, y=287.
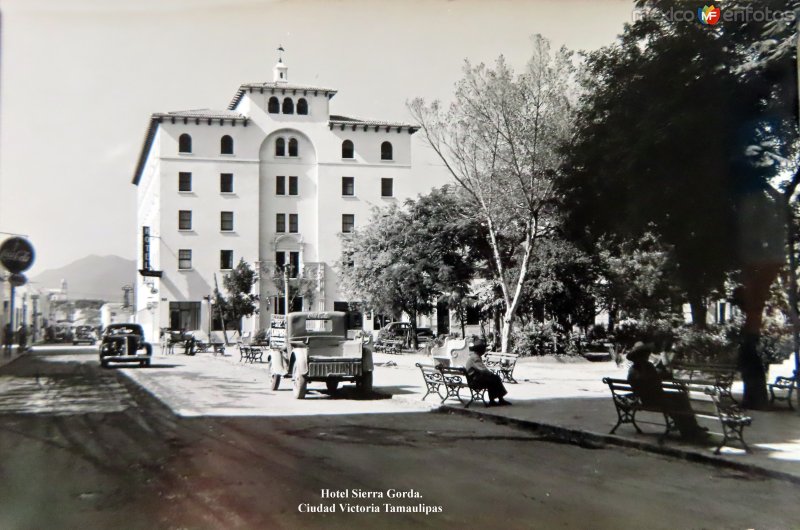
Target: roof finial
x=281, y=50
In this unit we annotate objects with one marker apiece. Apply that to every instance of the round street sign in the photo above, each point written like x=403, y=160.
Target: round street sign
x=16, y=254
x=17, y=279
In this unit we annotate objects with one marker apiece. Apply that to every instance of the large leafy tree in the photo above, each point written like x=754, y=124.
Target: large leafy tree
x=681, y=131
x=409, y=257
x=499, y=141
x=241, y=301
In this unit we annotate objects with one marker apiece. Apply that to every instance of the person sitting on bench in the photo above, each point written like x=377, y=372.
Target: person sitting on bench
x=481, y=377
x=646, y=384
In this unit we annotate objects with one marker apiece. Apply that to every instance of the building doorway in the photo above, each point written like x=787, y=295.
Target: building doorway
x=184, y=315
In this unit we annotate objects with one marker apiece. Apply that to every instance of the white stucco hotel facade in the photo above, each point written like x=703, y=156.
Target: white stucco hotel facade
x=249, y=197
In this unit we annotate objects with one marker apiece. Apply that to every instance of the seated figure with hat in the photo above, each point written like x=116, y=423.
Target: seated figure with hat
x=481, y=377
x=646, y=383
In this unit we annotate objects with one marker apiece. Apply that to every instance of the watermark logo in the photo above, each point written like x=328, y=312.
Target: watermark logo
x=709, y=15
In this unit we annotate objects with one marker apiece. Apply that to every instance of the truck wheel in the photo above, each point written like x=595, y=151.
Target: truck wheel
x=332, y=384
x=275, y=381
x=366, y=383
x=300, y=383
x=104, y=364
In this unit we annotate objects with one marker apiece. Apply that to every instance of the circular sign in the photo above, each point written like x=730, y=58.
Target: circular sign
x=17, y=280
x=16, y=254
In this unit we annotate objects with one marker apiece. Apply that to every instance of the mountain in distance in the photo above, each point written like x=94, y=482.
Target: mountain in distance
x=92, y=277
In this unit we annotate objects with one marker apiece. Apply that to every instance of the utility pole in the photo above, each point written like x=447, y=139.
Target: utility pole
x=219, y=310
x=286, y=291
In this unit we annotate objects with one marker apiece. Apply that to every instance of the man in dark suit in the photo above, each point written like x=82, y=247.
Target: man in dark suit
x=481, y=377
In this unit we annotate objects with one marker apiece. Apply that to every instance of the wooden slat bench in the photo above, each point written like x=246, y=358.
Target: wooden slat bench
x=502, y=364
x=719, y=376
x=721, y=407
x=783, y=384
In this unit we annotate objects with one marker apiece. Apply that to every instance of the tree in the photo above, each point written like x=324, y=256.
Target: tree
x=408, y=258
x=681, y=130
x=240, y=302
x=302, y=284
x=499, y=140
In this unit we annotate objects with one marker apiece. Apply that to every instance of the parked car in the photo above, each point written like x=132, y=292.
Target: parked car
x=401, y=330
x=317, y=349
x=84, y=334
x=124, y=343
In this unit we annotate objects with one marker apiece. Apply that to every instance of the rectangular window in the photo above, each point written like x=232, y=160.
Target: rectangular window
x=226, y=182
x=184, y=259
x=293, y=223
x=280, y=222
x=184, y=220
x=280, y=259
x=226, y=221
x=292, y=185
x=387, y=187
x=348, y=186
x=280, y=185
x=225, y=259
x=348, y=223
x=184, y=181
x=294, y=263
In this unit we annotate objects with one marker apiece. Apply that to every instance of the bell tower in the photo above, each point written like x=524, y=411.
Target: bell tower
x=280, y=74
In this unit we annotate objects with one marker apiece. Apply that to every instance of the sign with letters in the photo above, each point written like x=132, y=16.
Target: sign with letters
x=16, y=254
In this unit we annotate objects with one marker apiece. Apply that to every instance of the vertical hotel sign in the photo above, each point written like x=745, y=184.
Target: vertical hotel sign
x=147, y=269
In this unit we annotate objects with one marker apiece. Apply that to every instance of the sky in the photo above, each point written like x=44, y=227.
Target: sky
x=80, y=78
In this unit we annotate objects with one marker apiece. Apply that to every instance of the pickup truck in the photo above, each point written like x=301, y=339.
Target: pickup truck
x=317, y=349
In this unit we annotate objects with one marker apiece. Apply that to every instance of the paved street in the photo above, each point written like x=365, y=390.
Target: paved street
x=198, y=442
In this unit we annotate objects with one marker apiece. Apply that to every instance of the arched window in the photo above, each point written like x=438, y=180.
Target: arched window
x=274, y=106
x=288, y=106
x=386, y=151
x=347, y=149
x=185, y=143
x=292, y=147
x=302, y=106
x=280, y=147
x=226, y=145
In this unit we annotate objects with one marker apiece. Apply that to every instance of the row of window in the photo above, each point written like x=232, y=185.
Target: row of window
x=280, y=147
x=185, y=220
x=226, y=147
x=185, y=144
x=348, y=150
x=185, y=259
x=225, y=182
x=274, y=106
x=349, y=187
x=348, y=223
x=226, y=260
x=226, y=222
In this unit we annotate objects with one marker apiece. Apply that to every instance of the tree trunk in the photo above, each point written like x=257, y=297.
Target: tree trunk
x=754, y=375
x=612, y=318
x=508, y=324
x=699, y=311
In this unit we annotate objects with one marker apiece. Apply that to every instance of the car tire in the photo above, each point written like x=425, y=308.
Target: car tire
x=299, y=382
x=275, y=381
x=332, y=385
x=104, y=364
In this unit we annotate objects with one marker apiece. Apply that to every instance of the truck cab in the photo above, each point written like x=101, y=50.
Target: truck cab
x=317, y=350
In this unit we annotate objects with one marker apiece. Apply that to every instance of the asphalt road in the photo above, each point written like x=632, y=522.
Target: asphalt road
x=84, y=447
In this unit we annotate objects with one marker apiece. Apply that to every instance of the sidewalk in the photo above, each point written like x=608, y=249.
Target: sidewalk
x=15, y=354
x=567, y=399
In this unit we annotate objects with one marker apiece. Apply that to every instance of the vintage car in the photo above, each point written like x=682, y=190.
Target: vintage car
x=317, y=349
x=83, y=334
x=124, y=343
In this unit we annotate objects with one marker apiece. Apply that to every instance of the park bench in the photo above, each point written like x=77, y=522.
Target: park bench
x=433, y=379
x=454, y=379
x=502, y=364
x=722, y=408
x=249, y=353
x=716, y=375
x=783, y=384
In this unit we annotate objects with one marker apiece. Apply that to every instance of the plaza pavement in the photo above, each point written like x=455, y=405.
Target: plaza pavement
x=563, y=396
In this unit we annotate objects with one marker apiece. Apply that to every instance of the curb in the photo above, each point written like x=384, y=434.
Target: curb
x=596, y=441
x=5, y=361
